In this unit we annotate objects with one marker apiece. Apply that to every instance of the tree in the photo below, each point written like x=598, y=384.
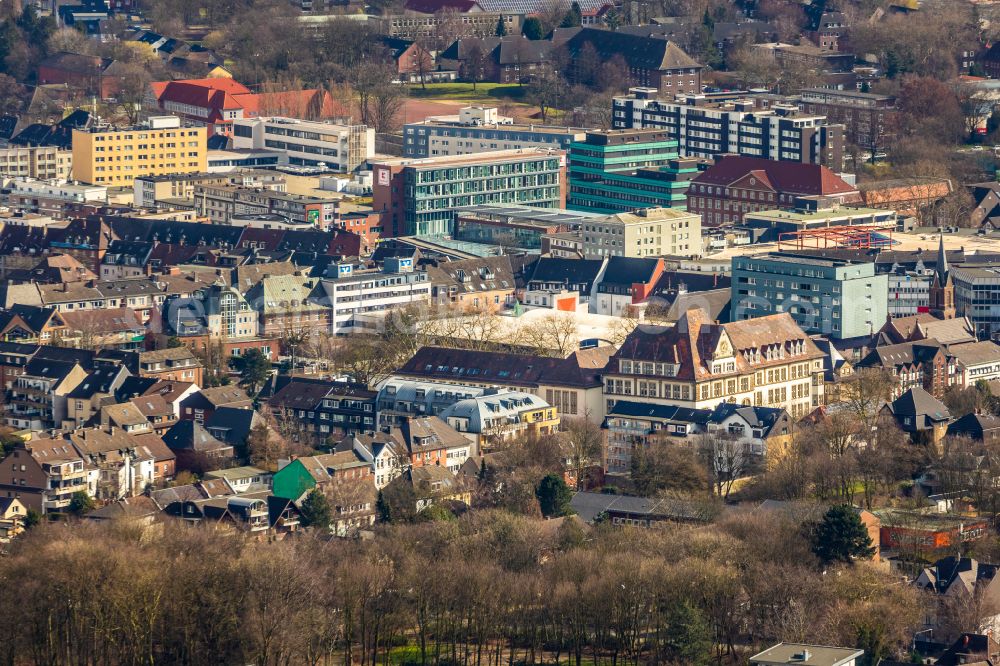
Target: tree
x=585, y=444
x=265, y=447
x=690, y=634
x=31, y=519
x=254, y=369
x=573, y=18
x=81, y=503
x=553, y=496
x=475, y=63
x=315, y=510
x=532, y=28
x=173, y=342
x=841, y=537
x=382, y=509
x=501, y=30
x=664, y=467
x=12, y=95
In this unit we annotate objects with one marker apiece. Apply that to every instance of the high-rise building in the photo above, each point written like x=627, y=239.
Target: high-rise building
x=613, y=171
x=419, y=197
x=116, y=156
x=840, y=299
x=744, y=126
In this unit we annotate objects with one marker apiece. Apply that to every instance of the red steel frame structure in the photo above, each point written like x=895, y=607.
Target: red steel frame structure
x=861, y=237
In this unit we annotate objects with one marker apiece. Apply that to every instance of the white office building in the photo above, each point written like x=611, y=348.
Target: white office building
x=306, y=142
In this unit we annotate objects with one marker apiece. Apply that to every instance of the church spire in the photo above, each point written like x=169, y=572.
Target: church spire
x=942, y=262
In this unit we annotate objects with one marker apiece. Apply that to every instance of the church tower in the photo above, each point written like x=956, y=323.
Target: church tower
x=942, y=292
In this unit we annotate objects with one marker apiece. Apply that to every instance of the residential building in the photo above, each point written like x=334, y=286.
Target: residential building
x=398, y=399
x=37, y=162
x=963, y=578
x=94, y=391
x=742, y=126
x=216, y=313
x=201, y=405
x=736, y=185
x=786, y=654
x=288, y=302
x=416, y=197
x=430, y=485
x=621, y=170
x=12, y=517
x=626, y=285
x=358, y=299
x=478, y=129
x=926, y=364
x=177, y=364
x=572, y=385
x=486, y=283
x=115, y=156
x=307, y=143
x=124, y=466
x=242, y=479
x=648, y=232
x=496, y=416
x=869, y=119
x=922, y=416
x=767, y=361
x=43, y=474
x=327, y=410
x=428, y=441
x=925, y=326
x=981, y=427
x=841, y=299
x=344, y=476
x=38, y=396
x=550, y=276
x=257, y=207
x=217, y=103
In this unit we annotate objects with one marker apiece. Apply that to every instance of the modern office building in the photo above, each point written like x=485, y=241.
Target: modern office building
x=910, y=290
x=358, y=298
x=649, y=232
x=418, y=196
x=116, y=156
x=41, y=162
x=840, y=299
x=613, y=171
x=478, y=129
x=307, y=143
x=744, y=126
x=223, y=203
x=977, y=296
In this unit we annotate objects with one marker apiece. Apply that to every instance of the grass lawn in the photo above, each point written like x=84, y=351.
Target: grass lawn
x=464, y=91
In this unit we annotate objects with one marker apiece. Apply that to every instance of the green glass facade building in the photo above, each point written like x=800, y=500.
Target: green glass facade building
x=621, y=170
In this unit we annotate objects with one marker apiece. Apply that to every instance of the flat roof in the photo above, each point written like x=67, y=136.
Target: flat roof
x=473, y=158
x=805, y=261
x=548, y=215
x=822, y=214
x=819, y=655
x=452, y=122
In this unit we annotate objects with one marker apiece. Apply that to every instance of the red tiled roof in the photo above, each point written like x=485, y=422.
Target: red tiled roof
x=788, y=177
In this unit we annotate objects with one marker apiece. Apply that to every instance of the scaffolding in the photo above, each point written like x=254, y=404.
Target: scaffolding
x=858, y=237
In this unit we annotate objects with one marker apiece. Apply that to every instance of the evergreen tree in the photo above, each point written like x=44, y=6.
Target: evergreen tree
x=573, y=18
x=690, y=634
x=316, y=510
x=532, y=28
x=382, y=509
x=501, y=30
x=254, y=369
x=841, y=537
x=553, y=496
x=81, y=503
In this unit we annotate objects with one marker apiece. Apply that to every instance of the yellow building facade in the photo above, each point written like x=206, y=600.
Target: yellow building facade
x=116, y=157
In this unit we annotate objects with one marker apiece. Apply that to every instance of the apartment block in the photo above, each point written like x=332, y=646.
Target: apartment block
x=39, y=162
x=223, y=203
x=177, y=189
x=51, y=197
x=744, y=126
x=840, y=299
x=649, y=232
x=478, y=129
x=307, y=143
x=418, y=196
x=116, y=156
x=358, y=298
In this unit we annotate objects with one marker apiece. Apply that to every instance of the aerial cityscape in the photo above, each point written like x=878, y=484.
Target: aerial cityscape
x=499, y=332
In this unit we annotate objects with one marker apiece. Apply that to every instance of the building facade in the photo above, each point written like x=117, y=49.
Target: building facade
x=478, y=129
x=307, y=143
x=115, y=157
x=977, y=296
x=39, y=162
x=841, y=299
x=417, y=197
x=704, y=129
x=649, y=232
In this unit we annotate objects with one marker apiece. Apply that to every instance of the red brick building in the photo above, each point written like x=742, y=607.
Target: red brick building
x=92, y=74
x=735, y=185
